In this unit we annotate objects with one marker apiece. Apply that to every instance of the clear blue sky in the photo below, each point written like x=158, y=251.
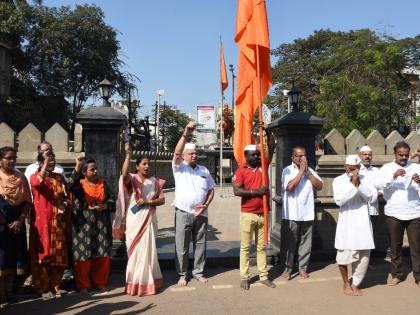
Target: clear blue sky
x=174, y=44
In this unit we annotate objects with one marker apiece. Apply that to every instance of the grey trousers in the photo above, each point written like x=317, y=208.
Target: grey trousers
x=189, y=227
x=294, y=231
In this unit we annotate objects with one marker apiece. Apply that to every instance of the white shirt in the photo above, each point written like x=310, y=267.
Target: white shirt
x=402, y=193
x=369, y=174
x=354, y=229
x=33, y=168
x=298, y=205
x=191, y=186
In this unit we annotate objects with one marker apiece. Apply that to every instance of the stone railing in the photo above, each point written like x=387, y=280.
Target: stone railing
x=336, y=144
x=28, y=139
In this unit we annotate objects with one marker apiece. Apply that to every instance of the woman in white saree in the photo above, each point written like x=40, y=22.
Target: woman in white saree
x=138, y=196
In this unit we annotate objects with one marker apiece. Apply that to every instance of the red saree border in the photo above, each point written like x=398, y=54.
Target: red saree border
x=140, y=289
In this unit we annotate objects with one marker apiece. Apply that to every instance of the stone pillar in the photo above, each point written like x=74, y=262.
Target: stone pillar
x=102, y=141
x=291, y=130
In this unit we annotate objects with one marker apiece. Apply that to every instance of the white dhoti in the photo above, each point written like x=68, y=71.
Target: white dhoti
x=359, y=260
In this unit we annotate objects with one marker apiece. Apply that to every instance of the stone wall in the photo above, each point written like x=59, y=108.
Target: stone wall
x=336, y=144
x=27, y=140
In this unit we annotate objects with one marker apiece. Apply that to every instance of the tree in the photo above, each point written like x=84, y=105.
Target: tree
x=352, y=79
x=71, y=51
x=171, y=127
x=12, y=26
x=64, y=52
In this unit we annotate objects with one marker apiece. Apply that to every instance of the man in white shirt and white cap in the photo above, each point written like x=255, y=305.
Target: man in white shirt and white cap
x=194, y=191
x=298, y=184
x=354, y=235
x=369, y=173
x=400, y=181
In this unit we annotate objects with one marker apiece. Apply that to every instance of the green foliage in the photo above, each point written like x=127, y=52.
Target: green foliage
x=351, y=79
x=65, y=52
x=171, y=127
x=12, y=26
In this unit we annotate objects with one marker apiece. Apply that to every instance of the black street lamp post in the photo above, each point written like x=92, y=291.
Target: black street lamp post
x=105, y=91
x=294, y=98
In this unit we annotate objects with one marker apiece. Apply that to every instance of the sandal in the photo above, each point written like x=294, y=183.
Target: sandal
x=3, y=301
x=47, y=295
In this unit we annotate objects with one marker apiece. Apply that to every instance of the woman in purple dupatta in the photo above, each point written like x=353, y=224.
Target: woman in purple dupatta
x=138, y=196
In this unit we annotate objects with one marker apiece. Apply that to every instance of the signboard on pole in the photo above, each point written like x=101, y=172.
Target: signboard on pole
x=206, y=117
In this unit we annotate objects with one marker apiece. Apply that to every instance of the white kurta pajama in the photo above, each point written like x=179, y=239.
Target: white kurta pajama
x=368, y=175
x=354, y=237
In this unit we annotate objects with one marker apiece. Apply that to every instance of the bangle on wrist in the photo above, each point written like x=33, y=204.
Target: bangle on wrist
x=184, y=135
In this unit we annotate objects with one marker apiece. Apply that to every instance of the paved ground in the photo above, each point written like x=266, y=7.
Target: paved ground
x=320, y=294
x=223, y=228
x=223, y=217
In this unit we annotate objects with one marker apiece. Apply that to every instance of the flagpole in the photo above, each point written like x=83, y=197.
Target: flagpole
x=263, y=157
x=221, y=149
x=223, y=86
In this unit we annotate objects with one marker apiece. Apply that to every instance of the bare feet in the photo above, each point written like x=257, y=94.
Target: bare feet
x=182, y=282
x=202, y=279
x=347, y=290
x=356, y=290
x=268, y=283
x=303, y=274
x=244, y=285
x=286, y=275
x=393, y=281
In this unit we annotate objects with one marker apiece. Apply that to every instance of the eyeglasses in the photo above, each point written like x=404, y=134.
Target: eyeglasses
x=11, y=158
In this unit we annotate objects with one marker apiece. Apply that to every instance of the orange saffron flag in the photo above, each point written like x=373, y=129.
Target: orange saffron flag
x=251, y=36
x=223, y=75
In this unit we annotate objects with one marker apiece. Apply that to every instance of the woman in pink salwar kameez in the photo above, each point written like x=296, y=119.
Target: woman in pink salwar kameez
x=138, y=196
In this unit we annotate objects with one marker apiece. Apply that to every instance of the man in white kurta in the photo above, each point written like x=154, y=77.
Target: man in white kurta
x=354, y=237
x=400, y=183
x=369, y=173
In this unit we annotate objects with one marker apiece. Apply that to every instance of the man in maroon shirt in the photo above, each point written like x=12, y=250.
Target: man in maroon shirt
x=248, y=184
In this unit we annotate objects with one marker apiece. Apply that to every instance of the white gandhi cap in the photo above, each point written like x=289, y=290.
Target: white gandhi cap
x=352, y=159
x=250, y=147
x=189, y=146
x=365, y=148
